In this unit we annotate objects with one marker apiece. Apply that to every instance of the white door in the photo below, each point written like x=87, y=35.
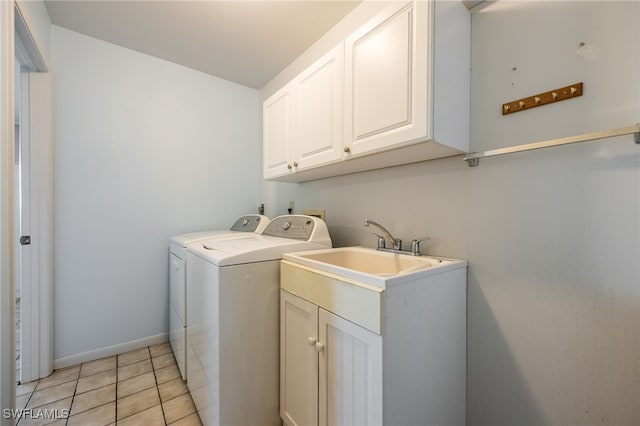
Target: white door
x=34, y=204
x=277, y=127
x=298, y=361
x=318, y=111
x=386, y=79
x=24, y=290
x=350, y=384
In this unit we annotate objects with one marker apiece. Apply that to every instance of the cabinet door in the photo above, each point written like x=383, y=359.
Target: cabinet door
x=350, y=373
x=387, y=77
x=277, y=132
x=298, y=361
x=318, y=111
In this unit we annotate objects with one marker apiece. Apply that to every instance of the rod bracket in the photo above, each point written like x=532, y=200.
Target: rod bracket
x=472, y=161
x=636, y=137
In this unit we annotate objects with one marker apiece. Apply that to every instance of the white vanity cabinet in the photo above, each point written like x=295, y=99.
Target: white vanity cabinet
x=330, y=368
x=356, y=354
x=302, y=122
x=396, y=91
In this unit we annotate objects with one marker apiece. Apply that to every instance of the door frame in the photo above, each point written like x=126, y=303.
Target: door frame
x=36, y=357
x=17, y=39
x=7, y=157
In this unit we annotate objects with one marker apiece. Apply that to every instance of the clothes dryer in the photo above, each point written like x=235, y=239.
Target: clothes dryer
x=242, y=227
x=233, y=330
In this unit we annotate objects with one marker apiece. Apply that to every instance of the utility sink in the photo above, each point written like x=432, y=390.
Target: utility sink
x=374, y=267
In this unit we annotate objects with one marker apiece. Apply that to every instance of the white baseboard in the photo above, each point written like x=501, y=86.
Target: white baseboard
x=94, y=354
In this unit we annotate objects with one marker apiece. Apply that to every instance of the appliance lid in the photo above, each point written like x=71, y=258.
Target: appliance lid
x=247, y=223
x=283, y=234
x=250, y=250
x=185, y=239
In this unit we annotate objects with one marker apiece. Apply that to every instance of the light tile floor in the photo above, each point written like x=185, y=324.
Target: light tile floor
x=141, y=387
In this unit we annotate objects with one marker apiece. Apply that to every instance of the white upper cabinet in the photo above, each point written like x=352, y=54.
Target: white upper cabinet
x=277, y=132
x=396, y=91
x=387, y=71
x=318, y=112
x=302, y=122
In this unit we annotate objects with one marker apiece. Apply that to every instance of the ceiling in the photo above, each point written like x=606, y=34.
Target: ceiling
x=247, y=42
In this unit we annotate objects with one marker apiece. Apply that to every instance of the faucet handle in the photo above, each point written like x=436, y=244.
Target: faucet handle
x=415, y=246
x=381, y=241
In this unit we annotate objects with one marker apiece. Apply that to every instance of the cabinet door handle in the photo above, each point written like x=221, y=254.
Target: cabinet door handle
x=312, y=341
x=347, y=149
x=289, y=166
x=319, y=347
x=295, y=164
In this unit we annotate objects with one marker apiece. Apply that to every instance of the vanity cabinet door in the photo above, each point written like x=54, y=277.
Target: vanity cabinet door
x=318, y=112
x=277, y=133
x=298, y=361
x=330, y=368
x=350, y=391
x=386, y=79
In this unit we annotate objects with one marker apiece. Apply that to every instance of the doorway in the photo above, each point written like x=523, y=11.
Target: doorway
x=32, y=208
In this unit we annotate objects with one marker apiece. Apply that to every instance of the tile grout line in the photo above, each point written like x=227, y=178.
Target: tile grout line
x=75, y=390
x=156, y=387
x=73, y=397
x=115, y=415
x=27, y=403
x=155, y=378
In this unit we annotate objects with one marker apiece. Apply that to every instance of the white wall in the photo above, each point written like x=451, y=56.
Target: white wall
x=143, y=149
x=552, y=236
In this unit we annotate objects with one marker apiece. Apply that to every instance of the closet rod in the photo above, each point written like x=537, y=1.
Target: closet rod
x=473, y=158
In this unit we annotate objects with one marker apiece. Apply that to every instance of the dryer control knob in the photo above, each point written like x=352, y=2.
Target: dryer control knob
x=245, y=222
x=286, y=225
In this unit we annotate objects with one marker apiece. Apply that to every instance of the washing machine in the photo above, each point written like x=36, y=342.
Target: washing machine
x=233, y=330
x=244, y=226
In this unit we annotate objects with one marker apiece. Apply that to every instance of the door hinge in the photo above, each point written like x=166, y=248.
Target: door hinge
x=25, y=240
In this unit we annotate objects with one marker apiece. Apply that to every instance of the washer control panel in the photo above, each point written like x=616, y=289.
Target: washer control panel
x=297, y=227
x=248, y=223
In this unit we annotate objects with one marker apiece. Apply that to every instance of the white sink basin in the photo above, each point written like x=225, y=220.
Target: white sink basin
x=371, y=266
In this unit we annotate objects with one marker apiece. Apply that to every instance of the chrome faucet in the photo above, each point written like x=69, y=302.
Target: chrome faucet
x=397, y=243
x=385, y=237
